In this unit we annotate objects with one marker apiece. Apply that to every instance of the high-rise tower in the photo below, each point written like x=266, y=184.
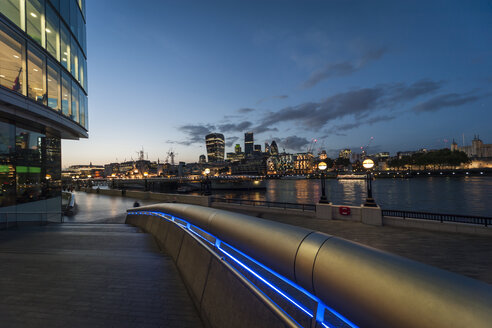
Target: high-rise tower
x=215, y=147
x=248, y=143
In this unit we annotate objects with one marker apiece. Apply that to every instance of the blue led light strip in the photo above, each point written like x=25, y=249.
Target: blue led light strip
x=321, y=306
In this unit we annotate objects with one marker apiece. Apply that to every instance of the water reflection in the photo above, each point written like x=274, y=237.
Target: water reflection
x=468, y=195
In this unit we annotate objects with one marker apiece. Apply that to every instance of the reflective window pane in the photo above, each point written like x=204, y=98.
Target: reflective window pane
x=65, y=47
x=7, y=168
x=82, y=105
x=14, y=10
x=28, y=160
x=66, y=98
x=81, y=68
x=65, y=10
x=12, y=61
x=35, y=20
x=75, y=102
x=53, y=86
x=56, y=4
x=74, y=11
x=36, y=75
x=74, y=60
x=52, y=33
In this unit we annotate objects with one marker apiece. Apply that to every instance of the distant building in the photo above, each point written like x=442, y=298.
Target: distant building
x=202, y=159
x=215, y=147
x=274, y=148
x=248, y=143
x=257, y=150
x=345, y=153
x=267, y=148
x=237, y=149
x=477, y=149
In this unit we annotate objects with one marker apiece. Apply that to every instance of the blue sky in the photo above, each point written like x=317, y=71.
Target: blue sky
x=162, y=74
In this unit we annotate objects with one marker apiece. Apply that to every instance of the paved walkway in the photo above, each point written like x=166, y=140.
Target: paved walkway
x=89, y=275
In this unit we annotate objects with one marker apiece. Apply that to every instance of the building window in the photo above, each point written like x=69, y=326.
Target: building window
x=75, y=102
x=28, y=160
x=74, y=60
x=65, y=10
x=52, y=33
x=81, y=68
x=7, y=170
x=56, y=4
x=53, y=86
x=66, y=99
x=12, y=61
x=36, y=75
x=65, y=47
x=35, y=21
x=14, y=10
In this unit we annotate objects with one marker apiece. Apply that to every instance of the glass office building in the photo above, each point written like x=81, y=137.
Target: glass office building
x=43, y=99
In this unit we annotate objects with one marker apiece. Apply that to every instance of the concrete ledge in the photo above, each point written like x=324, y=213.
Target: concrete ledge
x=355, y=213
x=437, y=226
x=371, y=215
x=324, y=211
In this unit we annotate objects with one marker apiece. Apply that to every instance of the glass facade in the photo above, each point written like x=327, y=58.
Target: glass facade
x=30, y=173
x=49, y=43
x=43, y=60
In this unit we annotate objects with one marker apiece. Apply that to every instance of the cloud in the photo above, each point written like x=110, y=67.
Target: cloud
x=231, y=127
x=344, y=127
x=245, y=110
x=294, y=143
x=272, y=97
x=343, y=68
x=359, y=103
x=195, y=133
x=445, y=100
x=229, y=141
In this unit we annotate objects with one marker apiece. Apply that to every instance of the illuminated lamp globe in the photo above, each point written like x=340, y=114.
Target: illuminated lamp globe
x=322, y=166
x=146, y=174
x=48, y=176
x=368, y=163
x=89, y=176
x=207, y=171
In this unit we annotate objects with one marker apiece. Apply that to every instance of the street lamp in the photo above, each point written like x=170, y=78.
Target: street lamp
x=368, y=165
x=207, y=182
x=145, y=177
x=322, y=167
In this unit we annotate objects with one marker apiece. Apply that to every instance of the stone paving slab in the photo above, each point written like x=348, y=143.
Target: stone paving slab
x=89, y=276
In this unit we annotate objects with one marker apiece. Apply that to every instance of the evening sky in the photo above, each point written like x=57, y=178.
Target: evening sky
x=162, y=74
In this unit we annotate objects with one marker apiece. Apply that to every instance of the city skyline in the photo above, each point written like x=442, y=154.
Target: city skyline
x=409, y=75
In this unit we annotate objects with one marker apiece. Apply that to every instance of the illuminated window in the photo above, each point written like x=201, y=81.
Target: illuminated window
x=52, y=33
x=35, y=20
x=66, y=94
x=74, y=60
x=75, y=102
x=14, y=10
x=12, y=61
x=53, y=86
x=35, y=75
x=65, y=47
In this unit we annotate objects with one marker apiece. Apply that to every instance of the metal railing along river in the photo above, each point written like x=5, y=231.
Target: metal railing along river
x=251, y=202
x=470, y=219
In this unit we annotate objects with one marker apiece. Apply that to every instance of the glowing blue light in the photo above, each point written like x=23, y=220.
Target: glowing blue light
x=218, y=244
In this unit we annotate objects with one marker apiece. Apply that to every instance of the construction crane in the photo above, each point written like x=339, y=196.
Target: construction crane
x=171, y=155
x=311, y=145
x=366, y=147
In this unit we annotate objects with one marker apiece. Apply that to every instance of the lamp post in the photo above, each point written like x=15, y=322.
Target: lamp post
x=207, y=182
x=145, y=174
x=368, y=165
x=322, y=167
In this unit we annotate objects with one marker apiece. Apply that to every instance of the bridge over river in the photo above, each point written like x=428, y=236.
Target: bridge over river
x=95, y=270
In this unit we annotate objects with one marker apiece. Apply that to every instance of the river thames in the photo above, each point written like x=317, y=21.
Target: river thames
x=465, y=196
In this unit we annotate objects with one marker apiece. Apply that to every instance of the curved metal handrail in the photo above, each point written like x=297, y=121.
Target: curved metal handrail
x=370, y=287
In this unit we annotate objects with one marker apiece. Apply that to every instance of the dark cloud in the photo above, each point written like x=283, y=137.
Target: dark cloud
x=231, y=127
x=195, y=133
x=359, y=103
x=445, y=100
x=229, y=141
x=294, y=143
x=245, y=110
x=343, y=68
x=272, y=97
x=337, y=129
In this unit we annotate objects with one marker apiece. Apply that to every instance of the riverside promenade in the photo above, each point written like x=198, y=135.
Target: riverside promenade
x=89, y=275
